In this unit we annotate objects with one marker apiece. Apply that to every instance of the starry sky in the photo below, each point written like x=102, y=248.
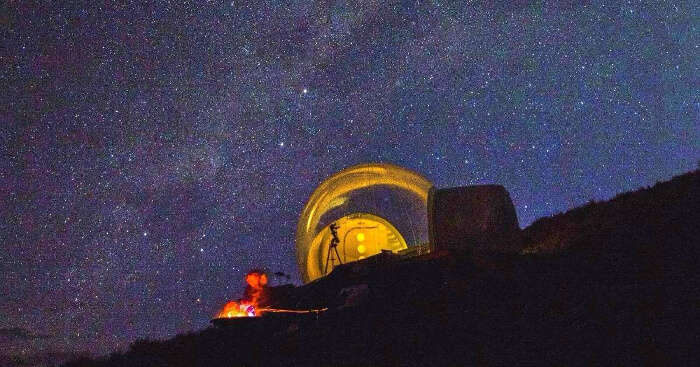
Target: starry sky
x=150, y=154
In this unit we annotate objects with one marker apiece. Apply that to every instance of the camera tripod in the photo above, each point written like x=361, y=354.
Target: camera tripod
x=333, y=247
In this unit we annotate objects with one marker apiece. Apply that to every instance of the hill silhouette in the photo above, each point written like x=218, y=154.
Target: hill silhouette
x=611, y=283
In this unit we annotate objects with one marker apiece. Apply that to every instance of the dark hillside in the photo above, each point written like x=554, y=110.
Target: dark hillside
x=668, y=207
x=611, y=283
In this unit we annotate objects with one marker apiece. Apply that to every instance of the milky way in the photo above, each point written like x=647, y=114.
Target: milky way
x=151, y=154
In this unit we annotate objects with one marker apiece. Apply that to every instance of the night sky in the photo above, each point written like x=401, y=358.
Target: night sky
x=151, y=154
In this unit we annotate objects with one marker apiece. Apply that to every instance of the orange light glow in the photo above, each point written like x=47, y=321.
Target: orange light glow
x=236, y=309
x=255, y=279
x=249, y=305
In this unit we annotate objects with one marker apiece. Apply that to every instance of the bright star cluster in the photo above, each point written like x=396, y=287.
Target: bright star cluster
x=152, y=152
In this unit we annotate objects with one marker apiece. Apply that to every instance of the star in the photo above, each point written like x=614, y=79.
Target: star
x=125, y=153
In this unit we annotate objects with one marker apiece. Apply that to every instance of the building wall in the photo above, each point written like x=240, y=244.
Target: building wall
x=473, y=218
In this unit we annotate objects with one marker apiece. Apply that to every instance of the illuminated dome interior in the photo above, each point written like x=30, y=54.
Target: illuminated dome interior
x=375, y=206
x=361, y=235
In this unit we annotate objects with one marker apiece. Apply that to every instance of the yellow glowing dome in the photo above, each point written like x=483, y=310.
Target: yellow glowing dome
x=376, y=206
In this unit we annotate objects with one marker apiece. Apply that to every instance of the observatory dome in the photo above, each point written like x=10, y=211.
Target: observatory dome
x=370, y=207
